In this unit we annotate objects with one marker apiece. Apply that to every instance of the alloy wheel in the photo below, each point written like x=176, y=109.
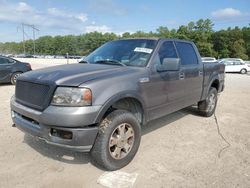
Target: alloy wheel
x=121, y=141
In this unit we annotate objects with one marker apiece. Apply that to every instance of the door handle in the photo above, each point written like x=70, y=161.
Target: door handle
x=181, y=76
x=200, y=73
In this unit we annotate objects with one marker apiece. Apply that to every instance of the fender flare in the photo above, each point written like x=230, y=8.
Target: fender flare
x=211, y=81
x=117, y=97
x=14, y=70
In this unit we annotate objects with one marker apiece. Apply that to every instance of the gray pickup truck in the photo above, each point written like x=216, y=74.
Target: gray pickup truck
x=100, y=104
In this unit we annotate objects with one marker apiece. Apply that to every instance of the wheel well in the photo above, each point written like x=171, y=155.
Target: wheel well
x=216, y=84
x=16, y=72
x=130, y=104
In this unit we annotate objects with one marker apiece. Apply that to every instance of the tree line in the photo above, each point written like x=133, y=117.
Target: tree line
x=230, y=42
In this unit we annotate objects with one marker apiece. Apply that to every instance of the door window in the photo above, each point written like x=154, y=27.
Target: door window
x=187, y=53
x=3, y=61
x=167, y=50
x=237, y=63
x=227, y=63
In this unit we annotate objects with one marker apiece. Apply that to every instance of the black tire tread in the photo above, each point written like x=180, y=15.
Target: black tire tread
x=243, y=69
x=202, y=105
x=99, y=150
x=12, y=77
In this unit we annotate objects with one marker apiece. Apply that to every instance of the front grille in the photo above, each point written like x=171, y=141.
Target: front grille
x=34, y=95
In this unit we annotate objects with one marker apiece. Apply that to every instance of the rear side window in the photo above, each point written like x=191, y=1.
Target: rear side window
x=3, y=60
x=187, y=53
x=237, y=63
x=228, y=63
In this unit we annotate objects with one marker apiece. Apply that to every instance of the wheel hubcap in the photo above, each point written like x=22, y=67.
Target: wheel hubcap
x=211, y=102
x=15, y=77
x=121, y=141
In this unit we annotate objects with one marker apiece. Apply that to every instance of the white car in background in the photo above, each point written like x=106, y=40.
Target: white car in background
x=208, y=60
x=235, y=65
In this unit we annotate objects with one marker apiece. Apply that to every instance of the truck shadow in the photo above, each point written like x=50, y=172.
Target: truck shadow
x=56, y=153
x=71, y=157
x=168, y=119
x=6, y=84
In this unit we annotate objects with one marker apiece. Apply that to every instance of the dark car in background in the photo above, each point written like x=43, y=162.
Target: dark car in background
x=10, y=69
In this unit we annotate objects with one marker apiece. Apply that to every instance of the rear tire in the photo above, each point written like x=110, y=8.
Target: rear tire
x=207, y=107
x=14, y=77
x=117, y=141
x=243, y=71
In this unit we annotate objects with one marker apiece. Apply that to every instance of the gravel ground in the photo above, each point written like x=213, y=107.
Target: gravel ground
x=178, y=150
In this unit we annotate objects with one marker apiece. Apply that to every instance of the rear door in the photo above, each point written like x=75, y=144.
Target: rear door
x=191, y=71
x=229, y=66
x=238, y=66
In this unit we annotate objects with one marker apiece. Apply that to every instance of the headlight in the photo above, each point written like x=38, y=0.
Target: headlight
x=70, y=96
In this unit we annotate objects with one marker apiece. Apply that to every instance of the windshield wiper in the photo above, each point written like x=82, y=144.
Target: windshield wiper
x=110, y=61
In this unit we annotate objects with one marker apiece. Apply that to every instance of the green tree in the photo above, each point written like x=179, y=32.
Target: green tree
x=231, y=42
x=246, y=38
x=163, y=32
x=238, y=49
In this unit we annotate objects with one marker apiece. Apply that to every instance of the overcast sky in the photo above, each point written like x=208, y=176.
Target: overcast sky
x=62, y=17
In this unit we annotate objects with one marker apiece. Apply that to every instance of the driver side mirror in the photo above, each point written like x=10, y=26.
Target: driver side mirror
x=169, y=64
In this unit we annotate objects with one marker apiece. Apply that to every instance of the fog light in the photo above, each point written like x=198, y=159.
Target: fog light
x=61, y=133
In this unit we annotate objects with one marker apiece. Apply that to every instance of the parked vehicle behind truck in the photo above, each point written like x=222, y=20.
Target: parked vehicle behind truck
x=11, y=69
x=100, y=104
x=208, y=60
x=235, y=65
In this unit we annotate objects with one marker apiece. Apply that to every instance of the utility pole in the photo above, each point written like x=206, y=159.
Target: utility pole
x=23, y=39
x=34, y=29
x=67, y=55
x=34, y=40
x=34, y=37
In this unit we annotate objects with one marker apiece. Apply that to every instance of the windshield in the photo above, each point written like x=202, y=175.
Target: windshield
x=130, y=52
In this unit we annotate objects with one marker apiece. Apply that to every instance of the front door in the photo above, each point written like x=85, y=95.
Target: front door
x=165, y=89
x=191, y=71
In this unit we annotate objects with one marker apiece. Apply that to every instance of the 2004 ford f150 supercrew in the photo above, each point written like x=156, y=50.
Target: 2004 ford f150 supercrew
x=100, y=104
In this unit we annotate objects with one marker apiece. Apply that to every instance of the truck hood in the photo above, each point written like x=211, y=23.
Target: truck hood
x=74, y=74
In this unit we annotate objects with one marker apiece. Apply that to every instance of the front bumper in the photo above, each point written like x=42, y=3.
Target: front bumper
x=75, y=121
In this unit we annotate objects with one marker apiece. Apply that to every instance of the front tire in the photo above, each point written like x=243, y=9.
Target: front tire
x=207, y=107
x=118, y=140
x=14, y=77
